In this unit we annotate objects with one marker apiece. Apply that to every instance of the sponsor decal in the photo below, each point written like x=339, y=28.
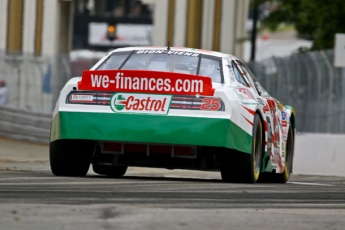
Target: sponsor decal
x=260, y=101
x=284, y=132
x=168, y=52
x=276, y=122
x=283, y=115
x=213, y=104
x=141, y=81
x=284, y=123
x=81, y=98
x=266, y=109
x=285, y=118
x=246, y=96
x=140, y=103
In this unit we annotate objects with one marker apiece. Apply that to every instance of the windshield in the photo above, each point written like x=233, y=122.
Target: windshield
x=162, y=60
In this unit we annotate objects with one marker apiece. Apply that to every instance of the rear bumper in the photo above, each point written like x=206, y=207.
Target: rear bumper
x=138, y=128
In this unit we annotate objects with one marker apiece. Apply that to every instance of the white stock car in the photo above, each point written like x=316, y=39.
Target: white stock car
x=177, y=108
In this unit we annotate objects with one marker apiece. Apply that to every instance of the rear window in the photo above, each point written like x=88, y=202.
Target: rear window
x=168, y=61
x=114, y=61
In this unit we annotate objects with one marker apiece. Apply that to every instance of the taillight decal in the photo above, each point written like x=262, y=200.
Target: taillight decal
x=211, y=104
x=180, y=102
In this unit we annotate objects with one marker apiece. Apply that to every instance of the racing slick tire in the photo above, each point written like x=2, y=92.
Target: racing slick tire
x=70, y=157
x=114, y=171
x=285, y=176
x=241, y=167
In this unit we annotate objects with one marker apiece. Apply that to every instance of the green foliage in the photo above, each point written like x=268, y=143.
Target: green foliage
x=319, y=20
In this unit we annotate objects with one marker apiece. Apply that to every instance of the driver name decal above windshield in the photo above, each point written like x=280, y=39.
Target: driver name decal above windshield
x=168, y=52
x=172, y=61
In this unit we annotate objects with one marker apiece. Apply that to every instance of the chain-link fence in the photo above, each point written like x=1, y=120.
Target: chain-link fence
x=311, y=84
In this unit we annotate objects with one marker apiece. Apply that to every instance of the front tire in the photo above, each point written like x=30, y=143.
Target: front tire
x=242, y=167
x=289, y=152
x=70, y=157
x=285, y=176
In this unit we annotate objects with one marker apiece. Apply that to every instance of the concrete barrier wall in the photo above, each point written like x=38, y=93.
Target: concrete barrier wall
x=320, y=154
x=25, y=125
x=315, y=154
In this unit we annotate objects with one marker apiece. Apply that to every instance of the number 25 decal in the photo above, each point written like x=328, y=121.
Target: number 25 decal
x=211, y=104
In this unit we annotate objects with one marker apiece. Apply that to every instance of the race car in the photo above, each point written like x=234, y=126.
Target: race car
x=173, y=108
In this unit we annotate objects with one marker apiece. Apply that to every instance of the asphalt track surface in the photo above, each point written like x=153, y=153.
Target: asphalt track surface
x=39, y=200
x=32, y=198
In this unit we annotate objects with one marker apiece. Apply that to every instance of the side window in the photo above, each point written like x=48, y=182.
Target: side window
x=211, y=68
x=238, y=74
x=231, y=72
x=250, y=76
x=247, y=72
x=261, y=89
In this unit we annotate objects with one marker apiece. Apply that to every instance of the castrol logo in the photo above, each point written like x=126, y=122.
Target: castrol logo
x=140, y=103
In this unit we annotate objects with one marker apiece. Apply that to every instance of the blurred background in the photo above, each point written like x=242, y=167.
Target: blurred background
x=290, y=45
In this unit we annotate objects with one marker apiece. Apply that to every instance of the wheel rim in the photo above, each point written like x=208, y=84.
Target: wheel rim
x=288, y=153
x=257, y=151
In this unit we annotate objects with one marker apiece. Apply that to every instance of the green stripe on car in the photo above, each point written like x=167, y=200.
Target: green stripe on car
x=139, y=128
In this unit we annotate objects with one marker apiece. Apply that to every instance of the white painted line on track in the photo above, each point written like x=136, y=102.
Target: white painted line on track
x=108, y=182
x=305, y=183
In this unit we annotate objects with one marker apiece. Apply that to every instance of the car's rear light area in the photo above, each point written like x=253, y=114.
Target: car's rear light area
x=112, y=147
x=135, y=148
x=160, y=149
x=129, y=148
x=183, y=151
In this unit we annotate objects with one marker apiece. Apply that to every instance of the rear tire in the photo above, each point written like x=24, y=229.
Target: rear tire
x=109, y=170
x=243, y=167
x=70, y=157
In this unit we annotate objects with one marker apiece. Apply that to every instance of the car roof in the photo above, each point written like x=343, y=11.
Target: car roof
x=181, y=49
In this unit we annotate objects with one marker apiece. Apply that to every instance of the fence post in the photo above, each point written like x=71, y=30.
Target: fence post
x=342, y=108
x=330, y=90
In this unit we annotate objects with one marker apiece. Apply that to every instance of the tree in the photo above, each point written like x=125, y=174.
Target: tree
x=318, y=20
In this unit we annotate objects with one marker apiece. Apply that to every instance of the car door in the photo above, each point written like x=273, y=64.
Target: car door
x=273, y=118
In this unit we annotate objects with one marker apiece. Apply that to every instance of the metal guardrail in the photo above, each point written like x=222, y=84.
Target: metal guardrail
x=34, y=82
x=21, y=124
